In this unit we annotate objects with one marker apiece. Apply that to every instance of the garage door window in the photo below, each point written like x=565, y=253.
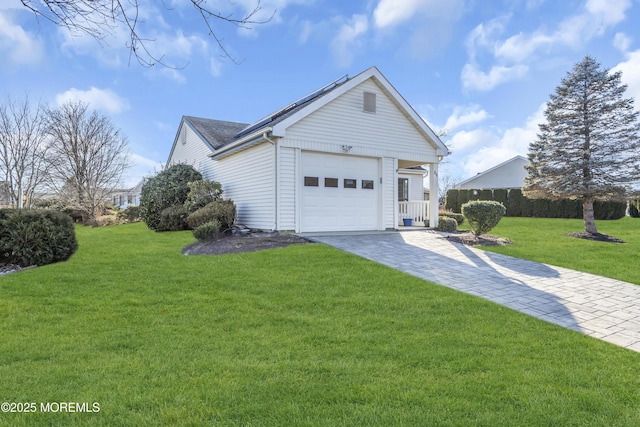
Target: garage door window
x=350, y=183
x=331, y=182
x=367, y=184
x=310, y=181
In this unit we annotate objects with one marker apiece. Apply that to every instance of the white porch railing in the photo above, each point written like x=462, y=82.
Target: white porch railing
x=417, y=210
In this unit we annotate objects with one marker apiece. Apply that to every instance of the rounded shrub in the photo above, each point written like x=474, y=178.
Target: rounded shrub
x=36, y=237
x=129, y=214
x=207, y=231
x=457, y=216
x=173, y=218
x=201, y=193
x=223, y=211
x=447, y=224
x=483, y=215
x=168, y=188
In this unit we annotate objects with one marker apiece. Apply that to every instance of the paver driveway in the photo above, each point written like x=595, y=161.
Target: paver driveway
x=597, y=306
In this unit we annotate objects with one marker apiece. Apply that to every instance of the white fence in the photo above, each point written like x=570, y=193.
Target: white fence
x=417, y=210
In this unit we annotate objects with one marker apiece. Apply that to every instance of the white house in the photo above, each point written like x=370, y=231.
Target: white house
x=342, y=158
x=125, y=198
x=509, y=174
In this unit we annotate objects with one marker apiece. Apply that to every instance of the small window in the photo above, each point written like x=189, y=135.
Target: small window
x=367, y=184
x=369, y=102
x=310, y=181
x=350, y=183
x=129, y=198
x=331, y=182
x=403, y=189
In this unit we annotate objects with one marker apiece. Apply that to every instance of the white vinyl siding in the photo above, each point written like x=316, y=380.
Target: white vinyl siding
x=192, y=152
x=416, y=186
x=287, y=188
x=248, y=179
x=389, y=191
x=343, y=121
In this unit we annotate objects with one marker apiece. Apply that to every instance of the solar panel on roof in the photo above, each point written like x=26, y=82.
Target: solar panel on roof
x=262, y=122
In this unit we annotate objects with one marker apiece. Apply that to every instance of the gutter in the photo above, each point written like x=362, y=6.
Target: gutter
x=265, y=136
x=238, y=145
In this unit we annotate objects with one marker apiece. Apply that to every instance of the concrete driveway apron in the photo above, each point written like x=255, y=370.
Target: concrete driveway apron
x=597, y=306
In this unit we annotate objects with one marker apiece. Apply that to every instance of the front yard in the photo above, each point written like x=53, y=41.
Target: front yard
x=303, y=335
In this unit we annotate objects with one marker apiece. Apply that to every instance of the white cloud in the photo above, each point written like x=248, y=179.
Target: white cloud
x=346, y=42
x=18, y=47
x=389, y=13
x=622, y=42
x=476, y=79
x=465, y=140
x=481, y=149
x=462, y=116
x=141, y=167
x=99, y=99
x=512, y=53
x=631, y=75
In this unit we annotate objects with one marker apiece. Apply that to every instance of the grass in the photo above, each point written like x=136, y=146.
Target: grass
x=544, y=240
x=304, y=335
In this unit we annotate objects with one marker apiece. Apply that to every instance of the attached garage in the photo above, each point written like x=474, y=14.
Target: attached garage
x=330, y=161
x=339, y=192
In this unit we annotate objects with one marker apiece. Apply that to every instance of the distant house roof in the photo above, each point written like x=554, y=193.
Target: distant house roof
x=508, y=174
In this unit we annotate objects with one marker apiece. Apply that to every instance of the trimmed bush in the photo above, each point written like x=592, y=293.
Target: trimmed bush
x=173, y=218
x=129, y=214
x=36, y=237
x=168, y=188
x=634, y=212
x=447, y=224
x=207, y=231
x=457, y=216
x=201, y=193
x=451, y=201
x=224, y=211
x=483, y=215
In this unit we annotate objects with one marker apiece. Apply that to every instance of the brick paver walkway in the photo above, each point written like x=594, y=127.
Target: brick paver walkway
x=603, y=308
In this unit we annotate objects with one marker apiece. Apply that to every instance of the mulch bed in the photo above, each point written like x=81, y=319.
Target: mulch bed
x=470, y=239
x=250, y=242
x=598, y=237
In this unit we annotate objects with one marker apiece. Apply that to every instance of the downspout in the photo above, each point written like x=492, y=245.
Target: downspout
x=275, y=171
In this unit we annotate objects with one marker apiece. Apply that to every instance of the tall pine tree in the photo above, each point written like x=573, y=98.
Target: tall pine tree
x=589, y=148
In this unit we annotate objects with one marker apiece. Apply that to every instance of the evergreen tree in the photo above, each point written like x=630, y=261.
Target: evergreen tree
x=589, y=148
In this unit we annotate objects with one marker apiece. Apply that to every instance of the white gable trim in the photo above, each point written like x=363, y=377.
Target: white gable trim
x=371, y=73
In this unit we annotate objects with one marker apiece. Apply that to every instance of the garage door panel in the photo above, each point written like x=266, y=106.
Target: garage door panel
x=339, y=208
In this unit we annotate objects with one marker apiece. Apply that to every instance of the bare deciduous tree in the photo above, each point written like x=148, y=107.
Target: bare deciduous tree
x=98, y=18
x=23, y=149
x=88, y=156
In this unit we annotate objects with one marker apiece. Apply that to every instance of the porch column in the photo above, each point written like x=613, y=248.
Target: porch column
x=433, y=195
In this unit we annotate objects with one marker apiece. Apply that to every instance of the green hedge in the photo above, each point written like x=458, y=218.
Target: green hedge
x=36, y=237
x=518, y=205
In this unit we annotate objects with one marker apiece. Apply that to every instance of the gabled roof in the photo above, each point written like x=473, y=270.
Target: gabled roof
x=222, y=136
x=217, y=133
x=488, y=171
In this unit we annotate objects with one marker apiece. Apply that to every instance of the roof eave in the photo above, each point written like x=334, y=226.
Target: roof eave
x=242, y=143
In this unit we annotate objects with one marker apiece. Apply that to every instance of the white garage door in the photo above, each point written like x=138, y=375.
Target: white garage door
x=339, y=193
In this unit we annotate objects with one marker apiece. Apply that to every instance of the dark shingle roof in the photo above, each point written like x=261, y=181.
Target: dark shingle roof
x=217, y=133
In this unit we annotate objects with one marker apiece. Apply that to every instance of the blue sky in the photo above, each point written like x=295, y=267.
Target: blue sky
x=481, y=69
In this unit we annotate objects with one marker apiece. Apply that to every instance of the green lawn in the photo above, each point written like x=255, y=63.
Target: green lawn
x=544, y=240
x=305, y=335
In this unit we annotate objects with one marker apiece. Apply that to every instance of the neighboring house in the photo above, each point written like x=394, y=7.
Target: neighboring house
x=509, y=174
x=335, y=160
x=125, y=198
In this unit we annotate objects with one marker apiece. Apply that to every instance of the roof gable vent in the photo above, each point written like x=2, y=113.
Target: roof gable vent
x=369, y=102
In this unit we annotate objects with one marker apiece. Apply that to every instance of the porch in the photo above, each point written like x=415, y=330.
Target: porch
x=416, y=210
